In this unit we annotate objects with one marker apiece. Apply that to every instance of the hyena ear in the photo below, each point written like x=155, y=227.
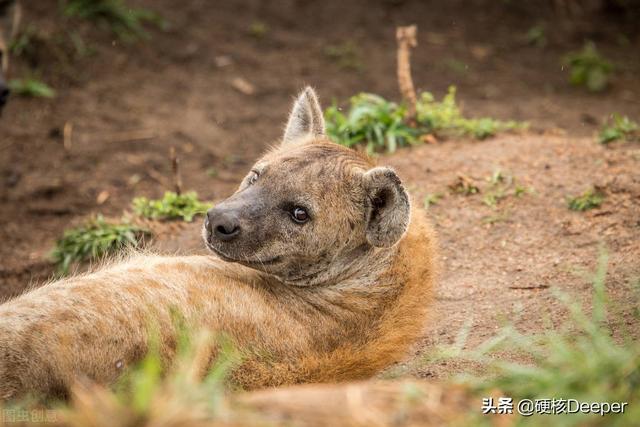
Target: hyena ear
x=306, y=119
x=388, y=207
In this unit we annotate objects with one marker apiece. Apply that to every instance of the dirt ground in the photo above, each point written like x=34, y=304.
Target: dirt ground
x=129, y=103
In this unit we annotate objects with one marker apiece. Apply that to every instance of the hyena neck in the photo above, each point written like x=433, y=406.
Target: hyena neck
x=360, y=267
x=384, y=274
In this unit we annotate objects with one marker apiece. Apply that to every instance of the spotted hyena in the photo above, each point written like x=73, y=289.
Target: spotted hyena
x=320, y=271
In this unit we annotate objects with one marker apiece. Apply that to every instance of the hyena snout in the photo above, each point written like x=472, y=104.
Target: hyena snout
x=222, y=225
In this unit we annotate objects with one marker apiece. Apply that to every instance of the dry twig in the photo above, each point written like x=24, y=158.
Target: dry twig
x=175, y=170
x=406, y=37
x=67, y=132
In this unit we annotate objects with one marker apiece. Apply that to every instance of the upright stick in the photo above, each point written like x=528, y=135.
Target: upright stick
x=175, y=171
x=406, y=37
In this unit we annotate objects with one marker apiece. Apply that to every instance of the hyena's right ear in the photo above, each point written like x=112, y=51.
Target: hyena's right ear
x=388, y=207
x=306, y=119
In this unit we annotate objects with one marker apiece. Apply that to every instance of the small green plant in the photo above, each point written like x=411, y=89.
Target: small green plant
x=537, y=36
x=502, y=186
x=588, y=68
x=31, y=87
x=94, y=240
x=258, y=29
x=80, y=46
x=455, y=65
x=432, y=199
x=496, y=218
x=373, y=120
x=170, y=206
x=492, y=198
x=123, y=20
x=345, y=54
x=381, y=125
x=445, y=118
x=590, y=199
x=619, y=127
x=23, y=44
x=464, y=185
x=499, y=184
x=520, y=190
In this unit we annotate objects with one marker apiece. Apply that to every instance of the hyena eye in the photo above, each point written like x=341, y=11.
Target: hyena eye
x=299, y=215
x=253, y=177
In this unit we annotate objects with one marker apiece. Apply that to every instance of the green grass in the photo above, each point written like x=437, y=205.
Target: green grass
x=432, y=199
x=588, y=68
x=98, y=237
x=501, y=186
x=445, y=118
x=171, y=206
x=187, y=381
x=123, y=20
x=23, y=44
x=585, y=360
x=94, y=240
x=617, y=128
x=537, y=36
x=590, y=199
x=464, y=186
x=496, y=217
x=346, y=55
x=380, y=124
x=189, y=391
x=258, y=29
x=371, y=120
x=31, y=87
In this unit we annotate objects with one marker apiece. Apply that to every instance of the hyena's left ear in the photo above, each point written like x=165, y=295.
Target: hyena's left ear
x=306, y=119
x=388, y=207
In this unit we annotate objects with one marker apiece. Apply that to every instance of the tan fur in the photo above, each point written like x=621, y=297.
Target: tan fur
x=384, y=330
x=359, y=311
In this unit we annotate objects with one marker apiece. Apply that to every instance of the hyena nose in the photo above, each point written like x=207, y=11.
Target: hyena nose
x=223, y=226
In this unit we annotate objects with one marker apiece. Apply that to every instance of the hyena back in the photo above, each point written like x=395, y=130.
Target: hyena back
x=320, y=271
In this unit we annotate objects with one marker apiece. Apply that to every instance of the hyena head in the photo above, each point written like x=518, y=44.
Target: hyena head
x=310, y=211
x=9, y=19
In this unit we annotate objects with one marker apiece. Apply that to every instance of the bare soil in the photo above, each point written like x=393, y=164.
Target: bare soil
x=129, y=103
